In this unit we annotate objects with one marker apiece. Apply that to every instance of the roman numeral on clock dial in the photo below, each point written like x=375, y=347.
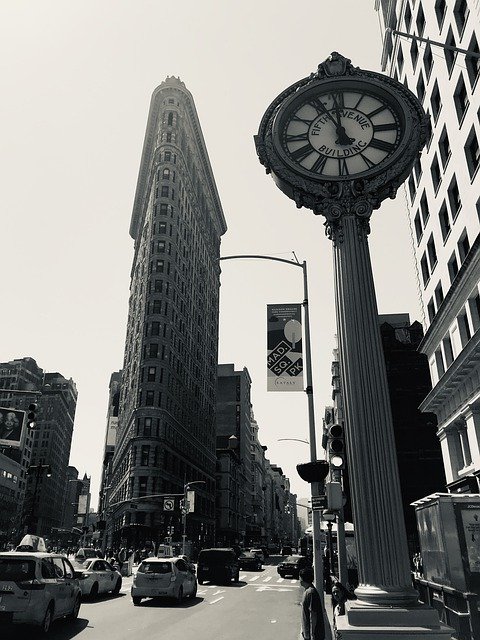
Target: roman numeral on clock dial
x=342, y=167
x=391, y=126
x=319, y=164
x=297, y=138
x=302, y=152
x=375, y=143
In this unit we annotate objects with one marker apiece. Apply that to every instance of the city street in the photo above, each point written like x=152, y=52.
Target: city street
x=261, y=605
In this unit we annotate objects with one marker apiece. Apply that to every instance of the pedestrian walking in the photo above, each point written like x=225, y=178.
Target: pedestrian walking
x=313, y=622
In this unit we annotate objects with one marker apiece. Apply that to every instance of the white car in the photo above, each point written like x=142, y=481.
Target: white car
x=37, y=588
x=163, y=578
x=96, y=576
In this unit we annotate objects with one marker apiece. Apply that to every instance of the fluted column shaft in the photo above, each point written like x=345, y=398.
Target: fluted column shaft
x=384, y=568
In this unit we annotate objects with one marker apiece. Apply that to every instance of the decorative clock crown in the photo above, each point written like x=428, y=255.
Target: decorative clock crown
x=334, y=65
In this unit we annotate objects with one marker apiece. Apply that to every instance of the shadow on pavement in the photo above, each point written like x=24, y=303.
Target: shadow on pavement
x=60, y=630
x=103, y=598
x=168, y=603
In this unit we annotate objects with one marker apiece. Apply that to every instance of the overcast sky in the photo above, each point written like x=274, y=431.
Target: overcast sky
x=77, y=77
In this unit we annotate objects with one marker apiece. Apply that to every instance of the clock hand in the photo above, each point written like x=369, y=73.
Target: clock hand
x=343, y=138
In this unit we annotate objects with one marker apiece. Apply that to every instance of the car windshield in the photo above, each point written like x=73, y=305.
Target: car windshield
x=16, y=569
x=87, y=565
x=90, y=553
x=155, y=567
x=293, y=559
x=215, y=556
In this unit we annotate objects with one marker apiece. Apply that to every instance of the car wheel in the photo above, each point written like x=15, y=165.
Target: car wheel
x=136, y=600
x=117, y=588
x=75, y=610
x=47, y=620
x=200, y=581
x=94, y=590
x=179, y=598
x=194, y=592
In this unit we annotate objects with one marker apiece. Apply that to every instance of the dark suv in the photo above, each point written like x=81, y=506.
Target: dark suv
x=218, y=565
x=292, y=566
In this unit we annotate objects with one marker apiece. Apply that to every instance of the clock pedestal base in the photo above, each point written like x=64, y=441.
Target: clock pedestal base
x=370, y=622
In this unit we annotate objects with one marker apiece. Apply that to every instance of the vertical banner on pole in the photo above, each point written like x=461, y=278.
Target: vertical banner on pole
x=284, y=347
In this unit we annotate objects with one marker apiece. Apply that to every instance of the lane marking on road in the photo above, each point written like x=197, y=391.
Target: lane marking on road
x=244, y=586
x=243, y=576
x=267, y=587
x=293, y=581
x=217, y=600
x=268, y=579
x=217, y=592
x=273, y=621
x=280, y=580
x=254, y=578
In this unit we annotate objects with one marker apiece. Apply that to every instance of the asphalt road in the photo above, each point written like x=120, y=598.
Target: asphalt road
x=262, y=605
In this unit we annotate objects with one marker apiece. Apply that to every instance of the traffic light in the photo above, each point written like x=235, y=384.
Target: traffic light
x=336, y=446
x=32, y=415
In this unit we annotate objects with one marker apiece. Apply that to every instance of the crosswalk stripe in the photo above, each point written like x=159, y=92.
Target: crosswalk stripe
x=254, y=578
x=280, y=580
x=268, y=579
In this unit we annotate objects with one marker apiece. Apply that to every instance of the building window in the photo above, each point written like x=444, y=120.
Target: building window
x=444, y=148
x=151, y=374
x=417, y=169
x=155, y=328
x=149, y=398
x=428, y=61
x=164, y=192
x=420, y=21
x=162, y=227
x=474, y=306
x=473, y=64
x=170, y=118
x=167, y=156
x=463, y=246
x=400, y=60
x=408, y=17
x=435, y=171
x=447, y=350
x=464, y=328
x=429, y=129
x=438, y=294
x=147, y=427
x=160, y=246
x=444, y=221
x=425, y=272
x=421, y=88
x=414, y=53
x=439, y=363
x=153, y=351
x=454, y=198
x=449, y=54
x=461, y=14
x=453, y=267
x=431, y=310
x=418, y=227
x=142, y=485
x=436, y=102
x=460, y=99
x=440, y=10
x=472, y=152
x=145, y=455
x=166, y=174
x=158, y=286
x=411, y=187
x=432, y=253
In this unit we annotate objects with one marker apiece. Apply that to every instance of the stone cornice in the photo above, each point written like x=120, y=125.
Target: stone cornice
x=467, y=277
x=456, y=374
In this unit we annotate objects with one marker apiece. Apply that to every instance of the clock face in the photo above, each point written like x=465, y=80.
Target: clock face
x=340, y=132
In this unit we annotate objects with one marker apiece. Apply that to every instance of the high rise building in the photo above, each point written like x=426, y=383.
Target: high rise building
x=51, y=446
x=443, y=200
x=166, y=431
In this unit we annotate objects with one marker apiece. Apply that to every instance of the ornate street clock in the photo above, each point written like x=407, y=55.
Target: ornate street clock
x=341, y=135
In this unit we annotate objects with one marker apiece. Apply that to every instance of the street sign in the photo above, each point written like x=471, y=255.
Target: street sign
x=169, y=504
x=319, y=503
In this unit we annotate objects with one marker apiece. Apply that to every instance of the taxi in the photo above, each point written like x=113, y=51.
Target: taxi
x=97, y=576
x=37, y=587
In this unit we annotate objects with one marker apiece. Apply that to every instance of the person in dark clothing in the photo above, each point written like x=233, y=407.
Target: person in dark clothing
x=313, y=623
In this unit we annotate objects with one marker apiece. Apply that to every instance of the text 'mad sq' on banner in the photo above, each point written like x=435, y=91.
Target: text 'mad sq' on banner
x=284, y=347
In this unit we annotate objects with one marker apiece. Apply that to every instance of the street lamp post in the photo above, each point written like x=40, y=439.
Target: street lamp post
x=185, y=511
x=315, y=485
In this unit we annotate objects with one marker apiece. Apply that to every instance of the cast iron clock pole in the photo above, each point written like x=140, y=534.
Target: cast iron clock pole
x=339, y=142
